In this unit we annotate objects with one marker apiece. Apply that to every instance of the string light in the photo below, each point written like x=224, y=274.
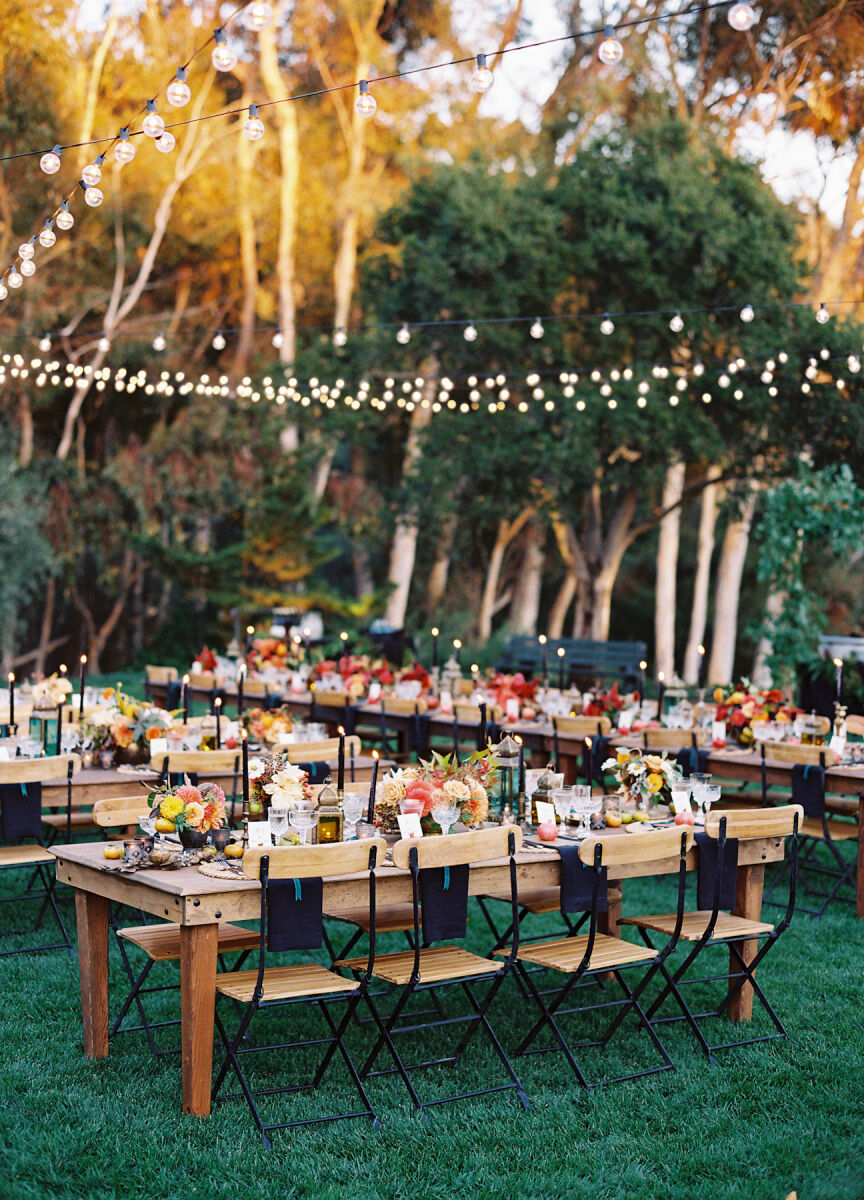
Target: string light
x=822, y=315
x=365, y=105
x=50, y=162
x=403, y=337
x=47, y=236
x=153, y=124
x=218, y=342
x=469, y=333
x=92, y=173
x=159, y=342
x=64, y=219
x=276, y=340
x=104, y=344
x=610, y=51
x=537, y=329
x=747, y=313
x=677, y=323
x=124, y=151
x=254, y=126
x=25, y=250
x=607, y=325
x=741, y=17
x=45, y=343
x=165, y=142
x=178, y=93
x=92, y=195
x=14, y=278
x=258, y=15
x=223, y=57
x=28, y=267
x=340, y=337
x=482, y=79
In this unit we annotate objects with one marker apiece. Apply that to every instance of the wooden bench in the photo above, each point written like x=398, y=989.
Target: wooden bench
x=583, y=659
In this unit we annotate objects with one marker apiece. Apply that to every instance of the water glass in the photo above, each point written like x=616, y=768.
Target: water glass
x=563, y=798
x=680, y=792
x=277, y=819
x=353, y=806
x=303, y=820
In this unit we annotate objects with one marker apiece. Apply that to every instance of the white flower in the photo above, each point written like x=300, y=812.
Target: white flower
x=457, y=789
x=256, y=768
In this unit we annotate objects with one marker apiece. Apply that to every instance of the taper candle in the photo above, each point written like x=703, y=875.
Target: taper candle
x=545, y=650
x=838, y=685
x=340, y=776
x=82, y=675
x=244, y=744
x=561, y=652
x=482, y=745
x=184, y=698
x=250, y=633
x=370, y=811
x=59, y=727
x=521, y=783
x=435, y=632
x=241, y=682
x=11, y=697
x=217, y=705
x=457, y=648
x=661, y=692
x=703, y=666
x=643, y=667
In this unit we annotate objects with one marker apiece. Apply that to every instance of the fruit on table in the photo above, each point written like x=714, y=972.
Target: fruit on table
x=640, y=816
x=685, y=818
x=111, y=851
x=547, y=831
x=613, y=820
x=234, y=850
x=626, y=818
x=163, y=825
x=255, y=808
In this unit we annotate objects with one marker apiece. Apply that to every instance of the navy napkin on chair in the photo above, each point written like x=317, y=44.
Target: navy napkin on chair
x=417, y=735
x=21, y=810
x=808, y=789
x=172, y=694
x=691, y=759
x=709, y=863
x=317, y=771
x=593, y=758
x=577, y=883
x=294, y=918
x=444, y=900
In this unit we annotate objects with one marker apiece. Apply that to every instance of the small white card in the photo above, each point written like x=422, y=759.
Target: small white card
x=718, y=731
x=837, y=744
x=259, y=833
x=680, y=804
x=296, y=684
x=409, y=825
x=446, y=702
x=4, y=754
x=512, y=709
x=374, y=690
x=545, y=813
x=625, y=720
x=159, y=746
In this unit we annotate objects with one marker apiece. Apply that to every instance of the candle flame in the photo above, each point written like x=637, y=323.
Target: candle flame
x=838, y=663
x=243, y=735
x=341, y=731
x=83, y=659
x=661, y=675
x=62, y=668
x=517, y=739
x=11, y=676
x=375, y=755
x=588, y=742
x=700, y=649
x=643, y=666
x=435, y=631
x=250, y=628
x=457, y=645
x=217, y=703
x=344, y=636
x=542, y=639
x=242, y=669
x=561, y=651
x=185, y=678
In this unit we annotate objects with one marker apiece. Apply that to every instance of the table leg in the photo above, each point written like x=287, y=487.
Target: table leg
x=859, y=894
x=198, y=946
x=748, y=903
x=608, y=922
x=570, y=765
x=92, y=916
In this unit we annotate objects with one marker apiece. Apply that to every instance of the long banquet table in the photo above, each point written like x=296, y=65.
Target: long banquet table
x=198, y=903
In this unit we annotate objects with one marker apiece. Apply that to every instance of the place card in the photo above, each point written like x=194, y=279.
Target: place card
x=545, y=813
x=446, y=702
x=374, y=691
x=159, y=746
x=625, y=720
x=718, y=733
x=409, y=825
x=512, y=709
x=259, y=833
x=838, y=744
x=4, y=754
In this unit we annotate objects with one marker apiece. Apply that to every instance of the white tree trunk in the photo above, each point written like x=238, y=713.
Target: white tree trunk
x=727, y=591
x=525, y=606
x=507, y=531
x=248, y=253
x=704, y=554
x=667, y=569
x=560, y=605
x=761, y=674
x=403, y=548
x=436, y=588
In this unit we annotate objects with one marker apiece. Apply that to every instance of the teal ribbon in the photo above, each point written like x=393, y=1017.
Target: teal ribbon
x=446, y=879
x=298, y=890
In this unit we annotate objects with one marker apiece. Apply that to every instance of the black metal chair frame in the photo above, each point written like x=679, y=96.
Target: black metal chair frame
x=584, y=973
x=234, y=1047
x=477, y=1019
x=746, y=973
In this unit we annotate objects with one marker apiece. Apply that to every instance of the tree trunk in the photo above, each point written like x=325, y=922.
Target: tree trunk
x=667, y=569
x=704, y=554
x=761, y=674
x=25, y=418
x=248, y=253
x=507, y=531
x=562, y=601
x=403, y=548
x=727, y=590
x=345, y=263
x=601, y=561
x=525, y=606
x=436, y=589
x=97, y=638
x=364, y=583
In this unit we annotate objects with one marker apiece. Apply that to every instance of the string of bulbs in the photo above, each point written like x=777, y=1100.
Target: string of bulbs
x=741, y=15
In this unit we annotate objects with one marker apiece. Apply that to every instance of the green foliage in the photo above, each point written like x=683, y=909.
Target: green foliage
x=25, y=554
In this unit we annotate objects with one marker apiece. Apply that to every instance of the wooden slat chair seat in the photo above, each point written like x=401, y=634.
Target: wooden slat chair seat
x=24, y=856
x=712, y=928
x=300, y=983
x=582, y=958
x=161, y=943
x=437, y=963
x=389, y=918
x=839, y=830
x=582, y=726
x=156, y=674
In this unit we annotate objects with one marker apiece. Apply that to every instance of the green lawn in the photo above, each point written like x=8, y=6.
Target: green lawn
x=771, y=1118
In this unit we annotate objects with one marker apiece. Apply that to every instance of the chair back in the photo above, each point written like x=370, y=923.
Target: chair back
x=323, y=751
x=470, y=713
x=256, y=687
x=35, y=770
x=196, y=762
x=331, y=699
x=756, y=822
x=326, y=860
x=672, y=739
x=790, y=752
x=653, y=846
x=583, y=726
x=119, y=811
x=476, y=846
x=154, y=674
x=854, y=725
x=205, y=681
x=398, y=706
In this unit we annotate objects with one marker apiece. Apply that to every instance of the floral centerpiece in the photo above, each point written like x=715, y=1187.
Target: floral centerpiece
x=274, y=654
x=516, y=687
x=609, y=704
x=275, y=779
x=442, y=780
x=205, y=661
x=122, y=723
x=741, y=705
x=357, y=672
x=50, y=692
x=644, y=779
x=266, y=725
x=193, y=811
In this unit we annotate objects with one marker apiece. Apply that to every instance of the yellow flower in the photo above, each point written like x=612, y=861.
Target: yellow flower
x=194, y=814
x=171, y=807
x=654, y=782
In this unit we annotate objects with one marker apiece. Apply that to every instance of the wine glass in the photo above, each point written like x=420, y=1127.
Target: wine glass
x=583, y=805
x=303, y=818
x=277, y=820
x=353, y=805
x=710, y=795
x=563, y=798
x=445, y=815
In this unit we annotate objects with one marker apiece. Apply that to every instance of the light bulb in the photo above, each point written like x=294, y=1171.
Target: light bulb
x=47, y=236
x=747, y=314
x=276, y=340
x=104, y=344
x=159, y=342
x=166, y=142
x=50, y=162
x=822, y=315
x=14, y=278
x=742, y=17
x=365, y=105
x=64, y=220
x=178, y=93
x=340, y=337
x=610, y=51
x=25, y=250
x=403, y=337
x=45, y=344
x=469, y=333
x=93, y=196
x=153, y=125
x=92, y=174
x=677, y=323
x=254, y=127
x=124, y=151
x=4, y=291
x=537, y=329
x=218, y=342
x=259, y=14
x=607, y=325
x=482, y=79
x=28, y=267
x=223, y=57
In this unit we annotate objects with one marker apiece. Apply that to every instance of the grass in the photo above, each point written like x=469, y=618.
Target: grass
x=771, y=1118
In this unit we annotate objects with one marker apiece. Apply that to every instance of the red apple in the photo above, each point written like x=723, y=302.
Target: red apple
x=528, y=714
x=685, y=818
x=547, y=832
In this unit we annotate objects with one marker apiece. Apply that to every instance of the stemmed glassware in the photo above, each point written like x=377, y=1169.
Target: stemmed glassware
x=710, y=795
x=353, y=805
x=277, y=820
x=445, y=815
x=563, y=798
x=584, y=805
x=304, y=817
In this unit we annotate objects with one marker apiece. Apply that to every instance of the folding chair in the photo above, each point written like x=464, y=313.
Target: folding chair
x=818, y=830
x=286, y=873
x=21, y=817
x=159, y=942
x=586, y=957
x=713, y=927
x=434, y=863
x=414, y=739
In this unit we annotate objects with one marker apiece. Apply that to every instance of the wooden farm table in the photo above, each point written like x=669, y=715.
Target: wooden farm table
x=198, y=903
